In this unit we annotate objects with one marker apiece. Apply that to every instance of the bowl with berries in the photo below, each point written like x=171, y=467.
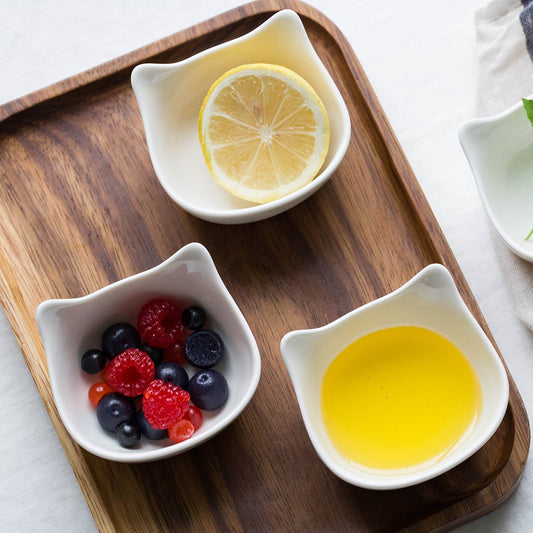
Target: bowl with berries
x=152, y=365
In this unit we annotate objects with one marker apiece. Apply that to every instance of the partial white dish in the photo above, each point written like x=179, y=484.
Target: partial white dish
x=499, y=150
x=170, y=97
x=429, y=300
x=69, y=327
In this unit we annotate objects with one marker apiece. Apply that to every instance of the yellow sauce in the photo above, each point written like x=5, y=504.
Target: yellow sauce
x=399, y=397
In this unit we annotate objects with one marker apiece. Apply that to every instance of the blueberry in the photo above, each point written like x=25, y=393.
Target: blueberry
x=208, y=389
x=203, y=348
x=128, y=434
x=114, y=409
x=173, y=373
x=147, y=430
x=93, y=361
x=193, y=317
x=155, y=354
x=119, y=337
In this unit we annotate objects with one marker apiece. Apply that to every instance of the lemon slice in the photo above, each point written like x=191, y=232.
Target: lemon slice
x=264, y=132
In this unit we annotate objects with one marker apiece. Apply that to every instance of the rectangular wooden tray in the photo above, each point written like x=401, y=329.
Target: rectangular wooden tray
x=81, y=207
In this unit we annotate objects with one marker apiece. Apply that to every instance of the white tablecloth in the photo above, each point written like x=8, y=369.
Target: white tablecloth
x=421, y=60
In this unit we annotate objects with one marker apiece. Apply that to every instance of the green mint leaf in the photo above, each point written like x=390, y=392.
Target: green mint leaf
x=530, y=234
x=528, y=106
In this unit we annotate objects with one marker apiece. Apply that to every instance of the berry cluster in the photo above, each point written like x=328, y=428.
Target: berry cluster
x=144, y=387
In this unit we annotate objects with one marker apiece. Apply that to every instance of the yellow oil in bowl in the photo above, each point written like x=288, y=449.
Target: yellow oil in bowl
x=398, y=398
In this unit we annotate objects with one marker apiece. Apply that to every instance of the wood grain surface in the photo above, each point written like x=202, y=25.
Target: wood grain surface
x=80, y=207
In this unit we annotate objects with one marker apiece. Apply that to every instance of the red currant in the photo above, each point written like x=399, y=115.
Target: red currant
x=174, y=353
x=181, y=430
x=97, y=392
x=194, y=416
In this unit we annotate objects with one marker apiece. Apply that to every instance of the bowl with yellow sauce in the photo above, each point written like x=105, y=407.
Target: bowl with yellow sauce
x=400, y=390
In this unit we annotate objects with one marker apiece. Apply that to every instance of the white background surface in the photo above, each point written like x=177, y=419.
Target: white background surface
x=420, y=58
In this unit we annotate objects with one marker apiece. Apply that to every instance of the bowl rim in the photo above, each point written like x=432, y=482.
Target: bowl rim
x=195, y=251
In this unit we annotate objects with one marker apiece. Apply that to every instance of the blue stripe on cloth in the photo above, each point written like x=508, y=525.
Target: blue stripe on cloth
x=526, y=19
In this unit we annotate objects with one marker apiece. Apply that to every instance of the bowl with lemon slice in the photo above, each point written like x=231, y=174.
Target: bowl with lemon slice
x=246, y=129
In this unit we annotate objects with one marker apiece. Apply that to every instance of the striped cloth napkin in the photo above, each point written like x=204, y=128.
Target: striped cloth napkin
x=504, y=32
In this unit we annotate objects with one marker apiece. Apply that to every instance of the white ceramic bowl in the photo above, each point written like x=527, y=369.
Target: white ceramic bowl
x=170, y=97
x=71, y=326
x=499, y=150
x=428, y=300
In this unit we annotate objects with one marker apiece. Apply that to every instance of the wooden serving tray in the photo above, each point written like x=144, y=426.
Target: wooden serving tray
x=81, y=207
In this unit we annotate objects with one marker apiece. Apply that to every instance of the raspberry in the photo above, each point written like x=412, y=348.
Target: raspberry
x=159, y=323
x=131, y=372
x=181, y=430
x=164, y=404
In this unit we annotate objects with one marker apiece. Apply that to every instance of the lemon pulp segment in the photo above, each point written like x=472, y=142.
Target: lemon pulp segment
x=264, y=132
